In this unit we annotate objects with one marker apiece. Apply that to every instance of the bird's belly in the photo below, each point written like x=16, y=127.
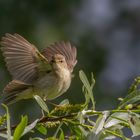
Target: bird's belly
x=50, y=87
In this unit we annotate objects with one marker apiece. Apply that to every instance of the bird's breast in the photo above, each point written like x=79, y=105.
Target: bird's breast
x=53, y=85
x=65, y=77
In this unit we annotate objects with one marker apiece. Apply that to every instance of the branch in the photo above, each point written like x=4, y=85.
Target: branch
x=93, y=112
x=46, y=119
x=72, y=116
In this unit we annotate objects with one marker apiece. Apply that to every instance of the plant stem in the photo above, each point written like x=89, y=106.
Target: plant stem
x=113, y=133
x=93, y=112
x=73, y=115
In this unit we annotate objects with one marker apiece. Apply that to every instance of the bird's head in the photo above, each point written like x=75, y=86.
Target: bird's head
x=58, y=62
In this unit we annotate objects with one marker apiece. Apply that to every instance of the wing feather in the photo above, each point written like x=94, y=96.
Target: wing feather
x=64, y=49
x=22, y=58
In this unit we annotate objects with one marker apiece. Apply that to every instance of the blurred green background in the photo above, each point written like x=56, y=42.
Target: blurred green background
x=105, y=32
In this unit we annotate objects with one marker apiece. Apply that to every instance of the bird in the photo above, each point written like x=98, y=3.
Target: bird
x=46, y=73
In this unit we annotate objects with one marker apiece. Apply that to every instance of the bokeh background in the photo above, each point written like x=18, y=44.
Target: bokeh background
x=105, y=32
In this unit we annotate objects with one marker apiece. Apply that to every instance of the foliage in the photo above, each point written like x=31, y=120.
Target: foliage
x=82, y=121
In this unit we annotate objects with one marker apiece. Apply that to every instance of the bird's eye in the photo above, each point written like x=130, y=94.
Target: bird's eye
x=52, y=61
x=61, y=61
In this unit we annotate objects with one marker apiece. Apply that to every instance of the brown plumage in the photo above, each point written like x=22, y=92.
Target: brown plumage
x=45, y=74
x=64, y=49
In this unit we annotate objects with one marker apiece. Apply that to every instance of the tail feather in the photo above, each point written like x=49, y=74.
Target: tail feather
x=10, y=100
x=14, y=91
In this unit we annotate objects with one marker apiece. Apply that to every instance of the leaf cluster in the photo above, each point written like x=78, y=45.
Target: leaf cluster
x=82, y=121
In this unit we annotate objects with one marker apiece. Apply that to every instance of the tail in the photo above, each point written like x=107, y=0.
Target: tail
x=15, y=91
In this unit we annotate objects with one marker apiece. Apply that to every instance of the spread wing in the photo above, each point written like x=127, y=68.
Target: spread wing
x=62, y=48
x=23, y=60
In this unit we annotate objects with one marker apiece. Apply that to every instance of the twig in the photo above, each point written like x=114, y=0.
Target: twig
x=45, y=119
x=71, y=116
x=93, y=112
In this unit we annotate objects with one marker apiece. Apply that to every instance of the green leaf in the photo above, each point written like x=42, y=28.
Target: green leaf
x=134, y=85
x=116, y=118
x=36, y=138
x=57, y=130
x=100, y=122
x=42, y=129
x=76, y=131
x=134, y=122
x=61, y=137
x=87, y=85
x=30, y=127
x=4, y=135
x=87, y=97
x=64, y=102
x=122, y=135
x=51, y=138
x=2, y=120
x=130, y=99
x=106, y=136
x=20, y=128
x=111, y=134
x=8, y=122
x=92, y=81
x=84, y=131
x=41, y=103
x=93, y=136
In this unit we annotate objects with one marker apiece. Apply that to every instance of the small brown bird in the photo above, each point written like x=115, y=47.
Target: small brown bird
x=47, y=74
